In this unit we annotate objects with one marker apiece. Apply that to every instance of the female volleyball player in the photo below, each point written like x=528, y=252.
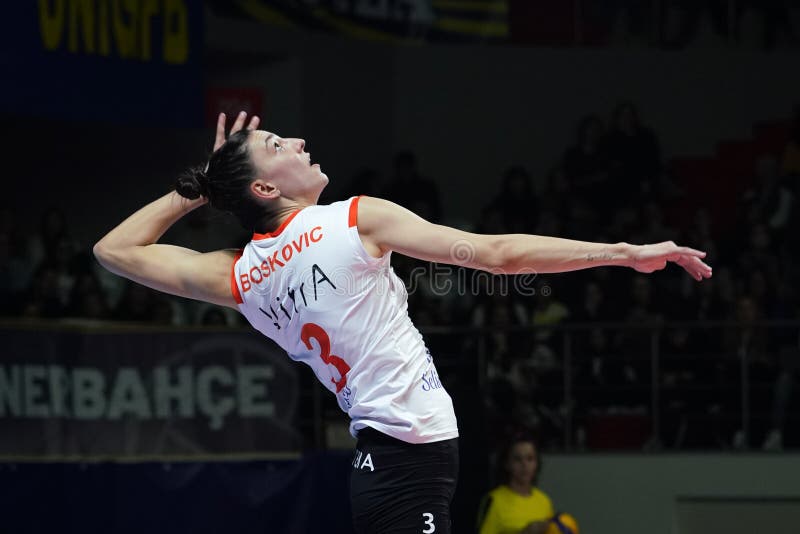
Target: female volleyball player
x=316, y=279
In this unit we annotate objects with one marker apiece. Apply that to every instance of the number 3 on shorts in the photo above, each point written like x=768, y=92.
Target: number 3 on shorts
x=429, y=523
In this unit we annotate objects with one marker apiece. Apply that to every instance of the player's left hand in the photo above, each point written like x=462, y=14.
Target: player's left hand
x=650, y=258
x=238, y=124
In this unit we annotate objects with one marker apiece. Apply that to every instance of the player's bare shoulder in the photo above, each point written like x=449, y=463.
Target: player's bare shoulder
x=374, y=214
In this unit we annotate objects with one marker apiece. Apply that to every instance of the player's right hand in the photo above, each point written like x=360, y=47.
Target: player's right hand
x=238, y=124
x=650, y=258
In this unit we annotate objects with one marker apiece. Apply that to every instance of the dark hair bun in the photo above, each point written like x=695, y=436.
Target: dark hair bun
x=192, y=183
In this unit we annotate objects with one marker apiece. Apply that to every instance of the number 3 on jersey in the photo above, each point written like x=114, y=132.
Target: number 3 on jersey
x=314, y=331
x=430, y=527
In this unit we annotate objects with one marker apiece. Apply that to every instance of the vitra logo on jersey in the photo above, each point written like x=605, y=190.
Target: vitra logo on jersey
x=279, y=258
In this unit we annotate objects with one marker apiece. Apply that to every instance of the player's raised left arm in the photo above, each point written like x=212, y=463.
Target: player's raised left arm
x=386, y=226
x=131, y=250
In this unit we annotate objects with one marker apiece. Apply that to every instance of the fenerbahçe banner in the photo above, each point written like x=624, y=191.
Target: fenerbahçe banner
x=144, y=395
x=383, y=20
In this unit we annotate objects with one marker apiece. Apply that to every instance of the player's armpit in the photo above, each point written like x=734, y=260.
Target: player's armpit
x=385, y=226
x=175, y=270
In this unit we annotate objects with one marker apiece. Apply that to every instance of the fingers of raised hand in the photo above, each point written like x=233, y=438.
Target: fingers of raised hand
x=219, y=140
x=238, y=124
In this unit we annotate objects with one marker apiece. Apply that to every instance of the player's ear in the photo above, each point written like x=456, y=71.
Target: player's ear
x=265, y=190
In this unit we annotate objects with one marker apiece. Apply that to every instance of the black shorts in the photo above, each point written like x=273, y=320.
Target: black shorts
x=399, y=487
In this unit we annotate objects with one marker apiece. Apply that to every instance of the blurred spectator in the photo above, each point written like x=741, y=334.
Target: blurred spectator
x=709, y=304
x=87, y=299
x=364, y=182
x=43, y=297
x=500, y=313
x=15, y=269
x=536, y=371
x=652, y=228
x=616, y=22
x=413, y=191
x=165, y=311
x=758, y=254
x=783, y=391
x=53, y=246
x=632, y=22
x=502, y=317
x=550, y=222
x=548, y=311
x=634, y=155
x=641, y=306
x=746, y=347
x=557, y=190
x=771, y=199
x=586, y=163
x=516, y=202
x=684, y=370
x=594, y=370
x=790, y=161
x=764, y=23
x=695, y=22
x=143, y=305
x=594, y=306
x=135, y=304
x=62, y=260
x=492, y=220
x=204, y=229
x=53, y=232
x=636, y=343
x=516, y=505
x=213, y=317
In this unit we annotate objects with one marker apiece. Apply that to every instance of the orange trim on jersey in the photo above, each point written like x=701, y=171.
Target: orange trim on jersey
x=234, y=286
x=280, y=229
x=353, y=217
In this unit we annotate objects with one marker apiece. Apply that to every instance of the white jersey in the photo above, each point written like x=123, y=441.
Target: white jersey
x=313, y=288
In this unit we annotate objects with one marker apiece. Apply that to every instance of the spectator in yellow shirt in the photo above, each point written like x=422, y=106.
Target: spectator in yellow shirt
x=517, y=506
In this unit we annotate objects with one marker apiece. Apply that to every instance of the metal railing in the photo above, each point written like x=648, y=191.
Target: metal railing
x=732, y=395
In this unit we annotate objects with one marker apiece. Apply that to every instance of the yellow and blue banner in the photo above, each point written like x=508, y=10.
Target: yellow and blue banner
x=128, y=61
x=383, y=20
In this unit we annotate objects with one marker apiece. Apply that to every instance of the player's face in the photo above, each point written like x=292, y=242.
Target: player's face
x=285, y=163
x=522, y=462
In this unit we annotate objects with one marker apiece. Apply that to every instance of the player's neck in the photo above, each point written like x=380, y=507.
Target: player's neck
x=278, y=215
x=521, y=488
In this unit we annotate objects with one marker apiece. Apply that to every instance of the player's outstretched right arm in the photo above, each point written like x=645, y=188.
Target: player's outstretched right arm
x=385, y=226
